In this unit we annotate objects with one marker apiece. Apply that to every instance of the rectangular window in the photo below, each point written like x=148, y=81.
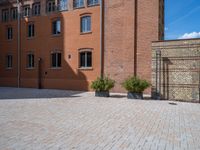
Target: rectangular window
x=9, y=33
x=31, y=30
x=9, y=61
x=26, y=11
x=56, y=60
x=85, y=24
x=51, y=6
x=78, y=3
x=5, y=15
x=85, y=59
x=14, y=13
x=63, y=5
x=92, y=2
x=30, y=61
x=36, y=9
x=56, y=27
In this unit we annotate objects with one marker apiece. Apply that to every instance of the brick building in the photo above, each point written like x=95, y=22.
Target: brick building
x=66, y=44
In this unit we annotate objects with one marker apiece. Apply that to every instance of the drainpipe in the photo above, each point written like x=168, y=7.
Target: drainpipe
x=135, y=37
x=101, y=37
x=18, y=44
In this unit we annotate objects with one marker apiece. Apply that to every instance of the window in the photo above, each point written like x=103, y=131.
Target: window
x=63, y=5
x=36, y=9
x=30, y=61
x=26, y=11
x=56, y=27
x=5, y=15
x=51, y=5
x=56, y=60
x=78, y=3
x=9, y=33
x=85, y=24
x=14, y=13
x=9, y=61
x=92, y=2
x=31, y=30
x=85, y=59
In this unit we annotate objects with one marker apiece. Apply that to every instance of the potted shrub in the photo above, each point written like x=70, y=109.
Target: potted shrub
x=102, y=86
x=135, y=87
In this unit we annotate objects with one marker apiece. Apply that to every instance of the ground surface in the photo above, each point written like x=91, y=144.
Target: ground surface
x=59, y=120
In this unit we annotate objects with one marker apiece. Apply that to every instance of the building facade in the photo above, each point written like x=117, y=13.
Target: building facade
x=66, y=44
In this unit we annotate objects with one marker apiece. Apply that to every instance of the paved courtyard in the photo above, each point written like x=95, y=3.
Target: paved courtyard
x=32, y=119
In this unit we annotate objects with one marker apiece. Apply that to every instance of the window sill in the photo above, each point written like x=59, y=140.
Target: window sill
x=9, y=40
x=63, y=10
x=83, y=33
x=85, y=68
x=9, y=68
x=56, y=68
x=30, y=68
x=56, y=35
x=93, y=5
x=78, y=7
x=30, y=38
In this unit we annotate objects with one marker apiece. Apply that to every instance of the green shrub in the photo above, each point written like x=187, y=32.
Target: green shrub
x=103, y=84
x=135, y=84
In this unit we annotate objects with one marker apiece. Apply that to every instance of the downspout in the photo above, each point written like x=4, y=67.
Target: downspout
x=101, y=38
x=135, y=37
x=18, y=44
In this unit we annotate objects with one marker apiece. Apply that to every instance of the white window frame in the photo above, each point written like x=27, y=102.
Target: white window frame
x=93, y=2
x=84, y=29
x=78, y=3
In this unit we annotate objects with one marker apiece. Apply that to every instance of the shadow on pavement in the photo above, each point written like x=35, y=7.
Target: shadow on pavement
x=26, y=93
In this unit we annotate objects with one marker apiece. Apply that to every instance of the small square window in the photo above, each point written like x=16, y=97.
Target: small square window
x=92, y=2
x=78, y=3
x=63, y=5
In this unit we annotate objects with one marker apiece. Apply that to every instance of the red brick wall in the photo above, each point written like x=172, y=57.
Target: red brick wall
x=119, y=38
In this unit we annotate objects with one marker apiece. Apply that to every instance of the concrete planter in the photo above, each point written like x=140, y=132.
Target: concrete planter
x=133, y=95
x=102, y=93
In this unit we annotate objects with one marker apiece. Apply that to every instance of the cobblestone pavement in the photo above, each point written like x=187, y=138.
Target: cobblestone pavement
x=64, y=120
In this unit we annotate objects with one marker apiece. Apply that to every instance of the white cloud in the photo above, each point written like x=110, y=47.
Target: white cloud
x=190, y=35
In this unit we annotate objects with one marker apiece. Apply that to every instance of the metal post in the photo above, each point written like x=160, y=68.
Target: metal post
x=101, y=37
x=18, y=44
x=156, y=90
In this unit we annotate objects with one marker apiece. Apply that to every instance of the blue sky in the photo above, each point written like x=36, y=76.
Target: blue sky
x=182, y=19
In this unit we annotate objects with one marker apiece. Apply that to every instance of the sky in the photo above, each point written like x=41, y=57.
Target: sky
x=182, y=19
